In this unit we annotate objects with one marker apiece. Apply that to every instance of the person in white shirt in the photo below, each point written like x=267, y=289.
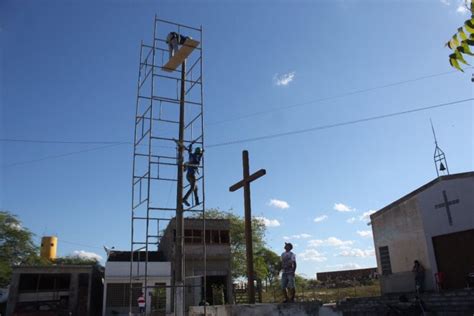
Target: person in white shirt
x=141, y=303
x=288, y=266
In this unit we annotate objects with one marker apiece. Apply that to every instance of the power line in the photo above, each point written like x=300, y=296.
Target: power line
x=62, y=155
x=14, y=140
x=311, y=129
x=338, y=96
x=322, y=127
x=345, y=94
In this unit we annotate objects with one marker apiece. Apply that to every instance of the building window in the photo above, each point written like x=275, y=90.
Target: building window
x=225, y=237
x=118, y=294
x=44, y=282
x=385, y=260
x=194, y=236
x=28, y=282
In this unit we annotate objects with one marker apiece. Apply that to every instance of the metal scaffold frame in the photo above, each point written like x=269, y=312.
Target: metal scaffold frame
x=169, y=108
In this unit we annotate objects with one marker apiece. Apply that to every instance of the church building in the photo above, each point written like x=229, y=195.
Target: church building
x=433, y=224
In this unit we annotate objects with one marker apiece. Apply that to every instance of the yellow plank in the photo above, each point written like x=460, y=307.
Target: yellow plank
x=183, y=53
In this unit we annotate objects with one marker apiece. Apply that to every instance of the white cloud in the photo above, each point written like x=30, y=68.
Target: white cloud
x=320, y=218
x=300, y=236
x=340, y=207
x=344, y=266
x=356, y=252
x=312, y=255
x=86, y=255
x=351, y=220
x=331, y=242
x=268, y=222
x=283, y=79
x=462, y=9
x=365, y=217
x=445, y=2
x=364, y=233
x=278, y=204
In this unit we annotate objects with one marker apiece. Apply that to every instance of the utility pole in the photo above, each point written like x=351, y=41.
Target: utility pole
x=179, y=258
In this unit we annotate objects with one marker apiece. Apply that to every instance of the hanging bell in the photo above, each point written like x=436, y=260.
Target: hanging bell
x=442, y=167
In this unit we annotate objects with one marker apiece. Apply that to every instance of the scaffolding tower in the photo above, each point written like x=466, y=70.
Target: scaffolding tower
x=169, y=108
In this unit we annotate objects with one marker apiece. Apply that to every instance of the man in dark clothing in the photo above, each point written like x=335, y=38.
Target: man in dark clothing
x=192, y=168
x=288, y=265
x=419, y=273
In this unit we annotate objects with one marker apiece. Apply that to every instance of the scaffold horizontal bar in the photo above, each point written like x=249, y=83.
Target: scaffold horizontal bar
x=169, y=100
x=177, y=79
x=155, y=156
x=144, y=243
x=166, y=121
x=136, y=250
x=174, y=139
x=193, y=211
x=155, y=236
x=177, y=24
x=163, y=163
x=188, y=43
x=151, y=218
x=162, y=209
x=163, y=179
x=144, y=176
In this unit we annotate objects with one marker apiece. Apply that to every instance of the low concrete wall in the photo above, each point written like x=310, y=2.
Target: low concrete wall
x=295, y=309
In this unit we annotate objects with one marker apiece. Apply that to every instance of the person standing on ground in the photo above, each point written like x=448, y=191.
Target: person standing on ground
x=288, y=265
x=141, y=303
x=419, y=272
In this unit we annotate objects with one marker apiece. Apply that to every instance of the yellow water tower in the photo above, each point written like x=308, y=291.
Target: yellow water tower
x=49, y=246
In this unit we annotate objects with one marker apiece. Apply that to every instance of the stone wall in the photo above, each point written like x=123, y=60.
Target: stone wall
x=459, y=302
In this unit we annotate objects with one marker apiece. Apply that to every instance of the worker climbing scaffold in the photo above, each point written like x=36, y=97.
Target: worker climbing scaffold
x=192, y=169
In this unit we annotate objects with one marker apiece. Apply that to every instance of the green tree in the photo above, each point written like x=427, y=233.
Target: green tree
x=461, y=41
x=76, y=260
x=16, y=246
x=237, y=242
x=272, y=263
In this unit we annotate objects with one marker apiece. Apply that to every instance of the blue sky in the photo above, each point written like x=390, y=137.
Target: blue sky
x=69, y=73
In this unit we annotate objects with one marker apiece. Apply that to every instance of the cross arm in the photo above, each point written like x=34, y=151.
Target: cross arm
x=252, y=177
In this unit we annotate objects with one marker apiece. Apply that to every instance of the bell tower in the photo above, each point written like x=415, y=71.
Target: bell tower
x=439, y=157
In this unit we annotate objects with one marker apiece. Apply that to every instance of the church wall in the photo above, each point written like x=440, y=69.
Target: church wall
x=435, y=221
x=401, y=229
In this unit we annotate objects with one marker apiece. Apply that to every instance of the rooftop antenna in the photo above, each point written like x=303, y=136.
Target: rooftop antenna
x=441, y=164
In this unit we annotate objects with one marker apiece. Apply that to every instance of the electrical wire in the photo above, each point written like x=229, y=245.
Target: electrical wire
x=338, y=96
x=61, y=155
x=328, y=126
x=246, y=140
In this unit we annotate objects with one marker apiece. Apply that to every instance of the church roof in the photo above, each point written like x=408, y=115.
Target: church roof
x=469, y=174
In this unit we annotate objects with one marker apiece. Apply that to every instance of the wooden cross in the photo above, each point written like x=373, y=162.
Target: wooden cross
x=245, y=183
x=446, y=205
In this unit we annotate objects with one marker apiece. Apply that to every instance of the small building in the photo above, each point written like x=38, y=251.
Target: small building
x=218, y=264
x=347, y=275
x=117, y=283
x=433, y=224
x=55, y=290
